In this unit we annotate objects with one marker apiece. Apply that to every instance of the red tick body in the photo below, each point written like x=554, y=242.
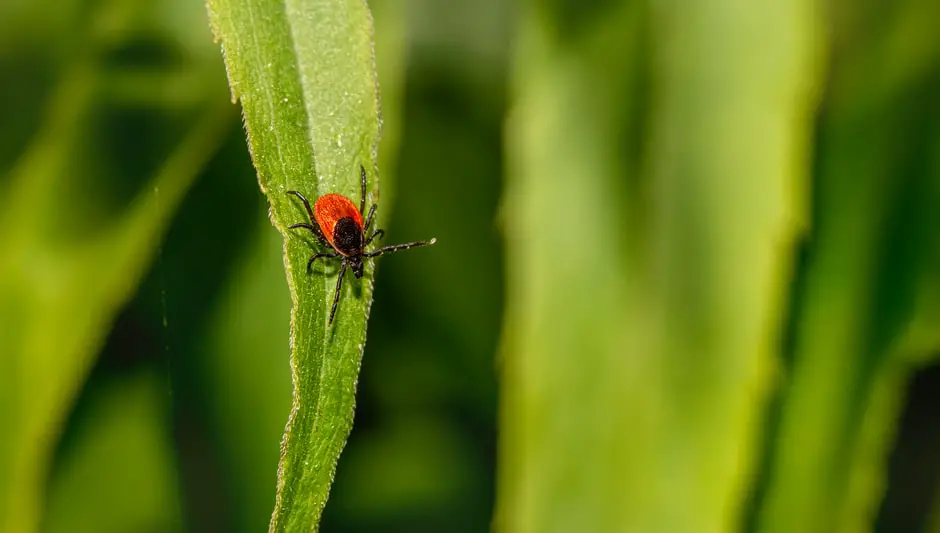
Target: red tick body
x=329, y=210
x=337, y=224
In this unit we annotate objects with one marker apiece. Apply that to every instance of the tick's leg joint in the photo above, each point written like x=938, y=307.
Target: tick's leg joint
x=397, y=247
x=369, y=219
x=362, y=201
x=339, y=285
x=376, y=234
x=314, y=257
x=306, y=203
x=313, y=229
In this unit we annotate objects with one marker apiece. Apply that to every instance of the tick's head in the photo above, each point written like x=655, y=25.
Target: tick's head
x=355, y=262
x=347, y=237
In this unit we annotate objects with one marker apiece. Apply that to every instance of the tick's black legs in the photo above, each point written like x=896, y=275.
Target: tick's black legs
x=365, y=227
x=313, y=229
x=306, y=203
x=397, y=247
x=312, y=226
x=339, y=285
x=362, y=201
x=303, y=225
x=351, y=255
x=314, y=257
x=377, y=233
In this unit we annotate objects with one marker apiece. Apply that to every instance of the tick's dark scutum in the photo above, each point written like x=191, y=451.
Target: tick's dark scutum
x=347, y=236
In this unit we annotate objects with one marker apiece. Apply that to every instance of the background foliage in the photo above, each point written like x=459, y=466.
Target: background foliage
x=696, y=242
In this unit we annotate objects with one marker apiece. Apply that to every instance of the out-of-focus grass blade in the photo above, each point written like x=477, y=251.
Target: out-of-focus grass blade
x=730, y=167
x=933, y=521
x=650, y=213
x=125, y=441
x=390, y=61
x=303, y=70
x=865, y=310
x=56, y=303
x=249, y=390
x=61, y=284
x=855, y=342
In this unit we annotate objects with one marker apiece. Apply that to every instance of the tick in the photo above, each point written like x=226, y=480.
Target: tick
x=338, y=225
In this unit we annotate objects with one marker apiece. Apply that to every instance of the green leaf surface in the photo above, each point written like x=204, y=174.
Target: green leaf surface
x=304, y=73
x=69, y=259
x=650, y=213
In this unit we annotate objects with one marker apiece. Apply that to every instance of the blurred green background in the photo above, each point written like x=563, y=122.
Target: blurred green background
x=179, y=407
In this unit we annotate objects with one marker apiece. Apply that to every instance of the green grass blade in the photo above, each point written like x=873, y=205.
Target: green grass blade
x=303, y=70
x=79, y=224
x=60, y=286
x=650, y=211
x=854, y=339
x=390, y=49
x=865, y=309
x=250, y=389
x=932, y=524
x=921, y=342
x=124, y=441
